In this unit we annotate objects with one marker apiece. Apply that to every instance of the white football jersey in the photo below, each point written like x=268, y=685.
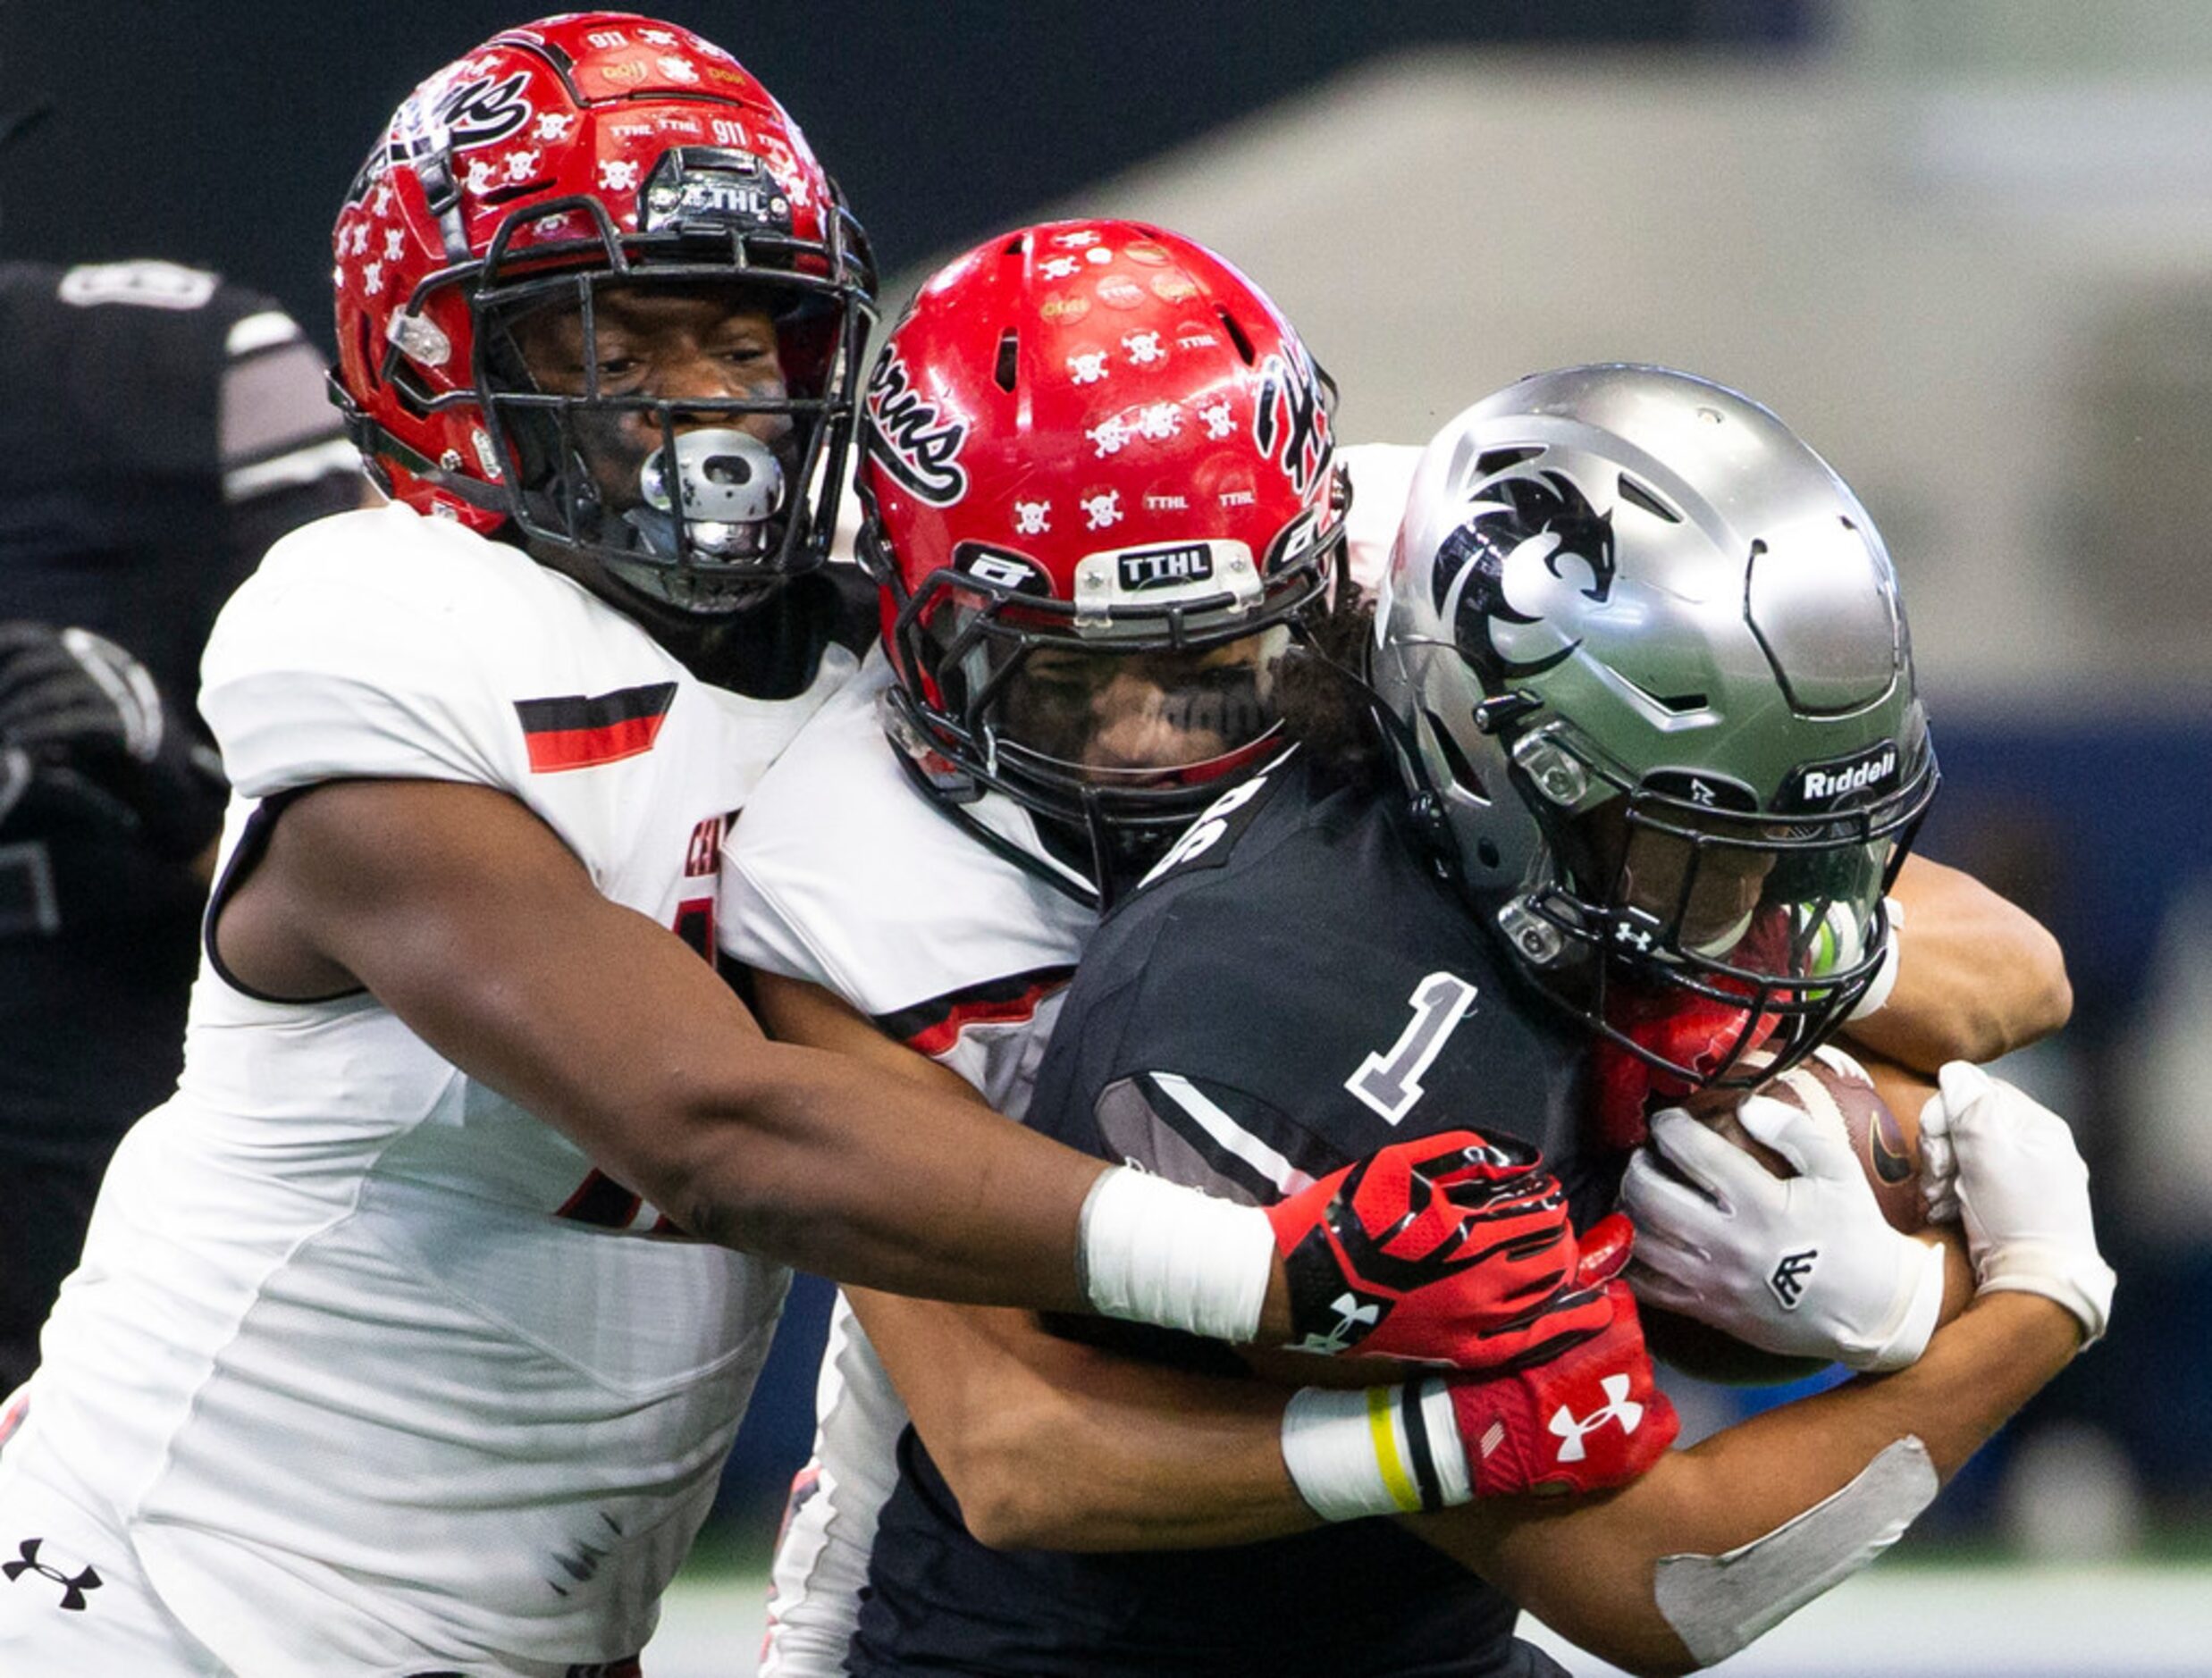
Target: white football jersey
x=842, y=873
x=1382, y=473
x=373, y=1368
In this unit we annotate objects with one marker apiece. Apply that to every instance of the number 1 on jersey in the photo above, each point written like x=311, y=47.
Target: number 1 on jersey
x=1391, y=1082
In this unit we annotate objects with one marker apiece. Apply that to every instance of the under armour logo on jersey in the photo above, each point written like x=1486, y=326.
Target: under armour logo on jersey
x=1355, y=1317
x=73, y=1585
x=1618, y=1407
x=1788, y=1281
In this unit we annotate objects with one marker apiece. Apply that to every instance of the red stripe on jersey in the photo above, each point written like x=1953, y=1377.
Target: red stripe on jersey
x=603, y=1203
x=581, y=748
x=575, y=732
x=934, y=1026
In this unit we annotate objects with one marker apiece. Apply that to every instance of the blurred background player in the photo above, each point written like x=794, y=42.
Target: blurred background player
x=1223, y=1015
x=411, y=1331
x=179, y=427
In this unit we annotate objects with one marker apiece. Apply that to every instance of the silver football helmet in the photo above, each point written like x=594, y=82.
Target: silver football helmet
x=1653, y=702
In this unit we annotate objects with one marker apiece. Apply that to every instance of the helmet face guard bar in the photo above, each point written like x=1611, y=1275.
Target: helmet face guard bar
x=1805, y=930
x=539, y=437
x=995, y=628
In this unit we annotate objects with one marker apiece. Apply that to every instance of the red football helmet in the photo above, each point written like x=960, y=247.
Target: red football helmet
x=560, y=160
x=1094, y=453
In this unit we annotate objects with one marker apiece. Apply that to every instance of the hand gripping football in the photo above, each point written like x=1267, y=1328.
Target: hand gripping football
x=1837, y=1090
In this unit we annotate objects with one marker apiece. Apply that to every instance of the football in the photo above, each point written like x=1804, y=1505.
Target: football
x=1836, y=1090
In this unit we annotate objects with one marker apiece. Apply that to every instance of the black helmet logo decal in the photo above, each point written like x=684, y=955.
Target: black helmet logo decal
x=1514, y=580
x=1292, y=415
x=911, y=438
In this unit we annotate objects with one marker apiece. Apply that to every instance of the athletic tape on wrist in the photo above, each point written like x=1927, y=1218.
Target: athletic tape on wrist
x=1153, y=1251
x=1718, y=1604
x=2081, y=1283
x=1383, y=1450
x=1910, y=1339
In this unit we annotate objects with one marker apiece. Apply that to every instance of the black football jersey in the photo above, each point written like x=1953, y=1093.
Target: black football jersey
x=1292, y=989
x=162, y=428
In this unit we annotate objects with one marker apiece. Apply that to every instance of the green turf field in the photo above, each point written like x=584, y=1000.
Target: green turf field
x=2149, y=1620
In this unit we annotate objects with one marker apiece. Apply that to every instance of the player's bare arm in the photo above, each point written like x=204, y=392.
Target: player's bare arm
x=1586, y=1566
x=1053, y=1445
x=1032, y=1428
x=798, y=1013
x=465, y=915
x=1977, y=978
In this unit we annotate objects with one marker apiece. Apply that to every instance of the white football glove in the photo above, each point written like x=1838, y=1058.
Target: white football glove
x=2023, y=1192
x=1803, y=1265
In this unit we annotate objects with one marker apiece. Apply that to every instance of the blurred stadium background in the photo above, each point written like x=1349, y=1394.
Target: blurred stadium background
x=1966, y=248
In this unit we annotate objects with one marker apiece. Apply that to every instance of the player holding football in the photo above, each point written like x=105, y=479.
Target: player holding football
x=1047, y=741
x=411, y=1332
x=1327, y=926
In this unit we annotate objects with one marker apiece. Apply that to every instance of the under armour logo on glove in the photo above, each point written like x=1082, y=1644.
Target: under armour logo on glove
x=73, y=1585
x=1618, y=1407
x=1355, y=1317
x=1545, y=1426
x=1788, y=1281
x=1450, y=1248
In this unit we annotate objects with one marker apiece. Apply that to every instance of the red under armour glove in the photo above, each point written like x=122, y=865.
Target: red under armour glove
x=1447, y=1248
x=1585, y=1419
x=1589, y=1419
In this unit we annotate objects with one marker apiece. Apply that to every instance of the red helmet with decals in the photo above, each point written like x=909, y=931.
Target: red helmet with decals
x=574, y=166
x=1099, y=475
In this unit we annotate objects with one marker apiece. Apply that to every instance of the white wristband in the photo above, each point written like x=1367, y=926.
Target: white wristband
x=1153, y=1251
x=2082, y=1283
x=1886, y=976
x=1383, y=1450
x=1909, y=1339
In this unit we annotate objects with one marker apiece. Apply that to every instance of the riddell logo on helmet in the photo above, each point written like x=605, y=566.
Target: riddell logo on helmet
x=1829, y=782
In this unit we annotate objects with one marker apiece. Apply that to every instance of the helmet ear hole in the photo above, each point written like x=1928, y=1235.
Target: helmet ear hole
x=1492, y=461
x=1237, y=335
